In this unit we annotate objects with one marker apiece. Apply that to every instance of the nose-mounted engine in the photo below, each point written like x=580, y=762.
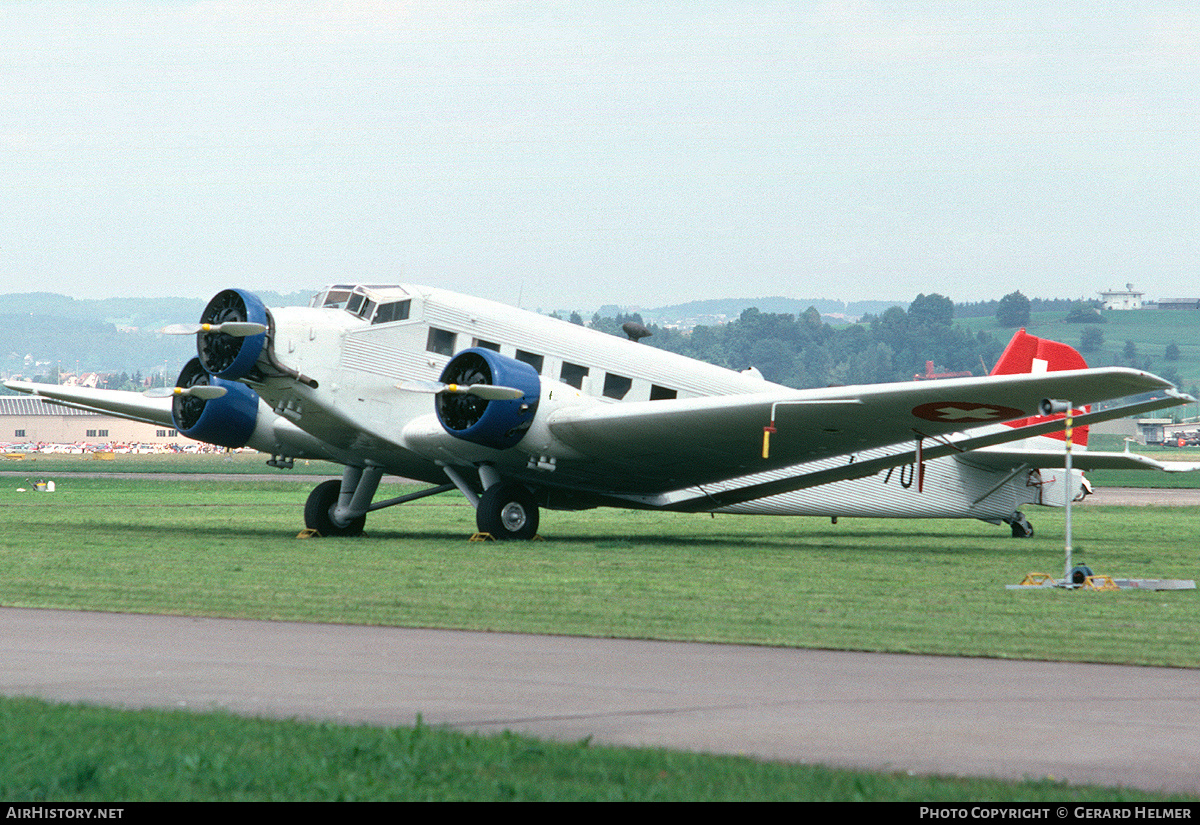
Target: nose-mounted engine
x=232, y=334
x=222, y=350
x=493, y=422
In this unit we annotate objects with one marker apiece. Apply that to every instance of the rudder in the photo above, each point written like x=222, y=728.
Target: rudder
x=1027, y=353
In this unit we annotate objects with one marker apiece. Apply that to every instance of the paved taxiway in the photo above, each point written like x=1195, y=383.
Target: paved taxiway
x=1084, y=723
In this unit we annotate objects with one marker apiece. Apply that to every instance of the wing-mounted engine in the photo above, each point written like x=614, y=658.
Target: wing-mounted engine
x=228, y=420
x=499, y=423
x=225, y=355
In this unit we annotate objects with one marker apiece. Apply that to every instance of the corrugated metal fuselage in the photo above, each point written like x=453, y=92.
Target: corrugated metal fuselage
x=361, y=385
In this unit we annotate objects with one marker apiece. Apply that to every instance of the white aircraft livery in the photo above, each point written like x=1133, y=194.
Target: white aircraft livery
x=521, y=412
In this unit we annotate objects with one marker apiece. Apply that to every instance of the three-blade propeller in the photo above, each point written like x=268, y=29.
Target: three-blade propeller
x=206, y=392
x=488, y=392
x=237, y=329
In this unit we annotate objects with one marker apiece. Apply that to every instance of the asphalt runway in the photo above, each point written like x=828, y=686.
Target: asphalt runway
x=1103, y=724
x=1142, y=497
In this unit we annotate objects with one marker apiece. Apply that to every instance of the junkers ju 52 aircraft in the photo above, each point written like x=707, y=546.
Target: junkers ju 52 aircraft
x=520, y=412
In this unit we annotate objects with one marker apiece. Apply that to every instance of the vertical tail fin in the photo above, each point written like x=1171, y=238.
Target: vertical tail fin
x=1027, y=353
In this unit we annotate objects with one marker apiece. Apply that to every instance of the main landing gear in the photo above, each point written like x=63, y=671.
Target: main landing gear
x=339, y=508
x=506, y=510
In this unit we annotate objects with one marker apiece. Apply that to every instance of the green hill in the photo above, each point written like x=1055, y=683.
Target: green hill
x=1150, y=330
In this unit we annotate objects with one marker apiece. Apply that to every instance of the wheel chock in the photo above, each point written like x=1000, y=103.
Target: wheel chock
x=1096, y=582
x=308, y=533
x=490, y=537
x=1037, y=580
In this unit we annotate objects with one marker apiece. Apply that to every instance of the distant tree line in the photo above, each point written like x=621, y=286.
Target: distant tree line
x=804, y=351
x=988, y=309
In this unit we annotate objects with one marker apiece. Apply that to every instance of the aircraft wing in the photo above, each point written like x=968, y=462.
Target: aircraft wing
x=272, y=434
x=131, y=405
x=964, y=447
x=662, y=445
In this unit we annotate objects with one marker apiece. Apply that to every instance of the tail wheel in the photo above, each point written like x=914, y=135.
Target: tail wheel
x=507, y=511
x=318, y=511
x=1021, y=528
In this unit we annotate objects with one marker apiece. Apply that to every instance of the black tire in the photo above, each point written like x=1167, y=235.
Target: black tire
x=320, y=504
x=1080, y=573
x=507, y=511
x=1022, y=529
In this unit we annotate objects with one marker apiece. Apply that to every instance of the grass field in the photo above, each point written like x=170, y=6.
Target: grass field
x=229, y=548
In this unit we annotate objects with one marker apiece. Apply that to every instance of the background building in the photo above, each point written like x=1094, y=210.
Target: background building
x=1127, y=298
x=26, y=420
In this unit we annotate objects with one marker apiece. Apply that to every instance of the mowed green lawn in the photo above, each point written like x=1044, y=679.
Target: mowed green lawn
x=229, y=548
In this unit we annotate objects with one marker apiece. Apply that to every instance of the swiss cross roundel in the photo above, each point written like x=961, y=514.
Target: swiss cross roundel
x=967, y=412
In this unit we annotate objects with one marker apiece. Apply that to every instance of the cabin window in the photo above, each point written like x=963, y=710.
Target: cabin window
x=19, y=434
x=486, y=345
x=355, y=302
x=532, y=359
x=166, y=433
x=616, y=386
x=658, y=393
x=367, y=308
x=440, y=341
x=573, y=374
x=395, y=311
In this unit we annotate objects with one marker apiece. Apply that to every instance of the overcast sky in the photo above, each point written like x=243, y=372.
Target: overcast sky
x=568, y=155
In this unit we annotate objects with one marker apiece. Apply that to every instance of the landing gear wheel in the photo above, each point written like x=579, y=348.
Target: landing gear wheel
x=1021, y=528
x=507, y=511
x=319, y=507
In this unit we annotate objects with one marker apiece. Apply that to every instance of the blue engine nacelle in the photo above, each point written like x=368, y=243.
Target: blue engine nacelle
x=498, y=424
x=224, y=355
x=228, y=421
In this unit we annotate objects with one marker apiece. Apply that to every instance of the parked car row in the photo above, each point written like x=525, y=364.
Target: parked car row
x=47, y=448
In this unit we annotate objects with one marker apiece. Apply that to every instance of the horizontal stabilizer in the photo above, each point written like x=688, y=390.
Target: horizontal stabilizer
x=1001, y=459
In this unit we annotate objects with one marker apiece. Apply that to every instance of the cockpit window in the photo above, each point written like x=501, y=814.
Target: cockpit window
x=377, y=304
x=336, y=298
